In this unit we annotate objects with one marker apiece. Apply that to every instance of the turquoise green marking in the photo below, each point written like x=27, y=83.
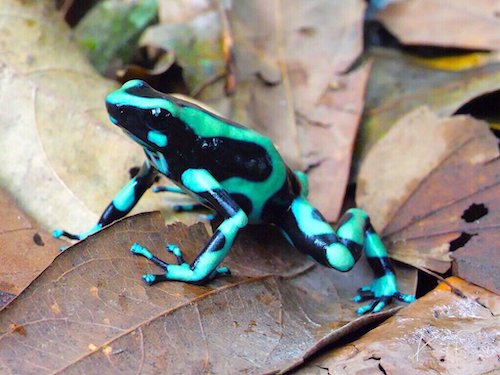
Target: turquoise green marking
x=125, y=198
x=374, y=246
x=199, y=180
x=303, y=213
x=157, y=138
x=339, y=257
x=232, y=225
x=121, y=97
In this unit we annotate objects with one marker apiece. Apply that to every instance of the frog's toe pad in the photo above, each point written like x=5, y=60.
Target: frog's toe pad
x=137, y=249
x=149, y=279
x=408, y=298
x=223, y=271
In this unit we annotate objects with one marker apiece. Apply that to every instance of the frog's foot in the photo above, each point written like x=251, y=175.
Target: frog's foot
x=381, y=292
x=181, y=271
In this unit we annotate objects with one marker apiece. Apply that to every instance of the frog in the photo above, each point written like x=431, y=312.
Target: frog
x=240, y=176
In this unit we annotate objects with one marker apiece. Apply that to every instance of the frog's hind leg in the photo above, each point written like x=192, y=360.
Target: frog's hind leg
x=307, y=230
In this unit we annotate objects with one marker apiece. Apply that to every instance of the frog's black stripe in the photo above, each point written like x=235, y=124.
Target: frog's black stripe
x=217, y=242
x=381, y=266
x=217, y=199
x=354, y=248
x=280, y=201
x=145, y=179
x=244, y=202
x=223, y=157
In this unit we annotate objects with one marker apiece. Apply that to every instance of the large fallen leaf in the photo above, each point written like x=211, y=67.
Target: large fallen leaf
x=25, y=251
x=441, y=333
x=90, y=312
x=421, y=180
x=61, y=158
x=444, y=23
x=400, y=83
x=289, y=63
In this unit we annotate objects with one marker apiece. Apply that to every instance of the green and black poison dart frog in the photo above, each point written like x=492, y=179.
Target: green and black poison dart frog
x=239, y=174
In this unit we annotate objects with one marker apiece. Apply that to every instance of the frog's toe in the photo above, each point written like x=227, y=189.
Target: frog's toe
x=223, y=271
x=408, y=298
x=375, y=306
x=364, y=294
x=137, y=249
x=174, y=249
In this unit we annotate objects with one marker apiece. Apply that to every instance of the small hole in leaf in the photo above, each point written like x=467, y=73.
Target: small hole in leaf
x=38, y=239
x=475, y=212
x=461, y=240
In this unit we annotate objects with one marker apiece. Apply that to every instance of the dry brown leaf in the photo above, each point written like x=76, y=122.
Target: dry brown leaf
x=441, y=333
x=420, y=179
x=444, y=23
x=25, y=251
x=399, y=83
x=64, y=160
x=90, y=312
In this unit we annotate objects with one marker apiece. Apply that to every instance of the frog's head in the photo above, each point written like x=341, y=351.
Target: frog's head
x=141, y=112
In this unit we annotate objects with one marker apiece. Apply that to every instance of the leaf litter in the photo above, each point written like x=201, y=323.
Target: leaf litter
x=90, y=309
x=434, y=170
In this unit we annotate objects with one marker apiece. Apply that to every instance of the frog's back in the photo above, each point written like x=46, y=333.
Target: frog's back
x=246, y=163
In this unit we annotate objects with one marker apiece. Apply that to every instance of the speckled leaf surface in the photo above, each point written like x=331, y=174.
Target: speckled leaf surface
x=61, y=158
x=25, y=250
x=457, y=23
x=441, y=333
x=290, y=63
x=434, y=171
x=400, y=83
x=90, y=311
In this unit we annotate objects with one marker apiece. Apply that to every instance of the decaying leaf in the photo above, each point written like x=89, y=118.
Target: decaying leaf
x=290, y=65
x=444, y=23
x=441, y=333
x=420, y=180
x=25, y=251
x=400, y=83
x=90, y=311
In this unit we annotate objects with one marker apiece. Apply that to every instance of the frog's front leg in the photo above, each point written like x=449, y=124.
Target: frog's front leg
x=121, y=204
x=204, y=267
x=309, y=232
